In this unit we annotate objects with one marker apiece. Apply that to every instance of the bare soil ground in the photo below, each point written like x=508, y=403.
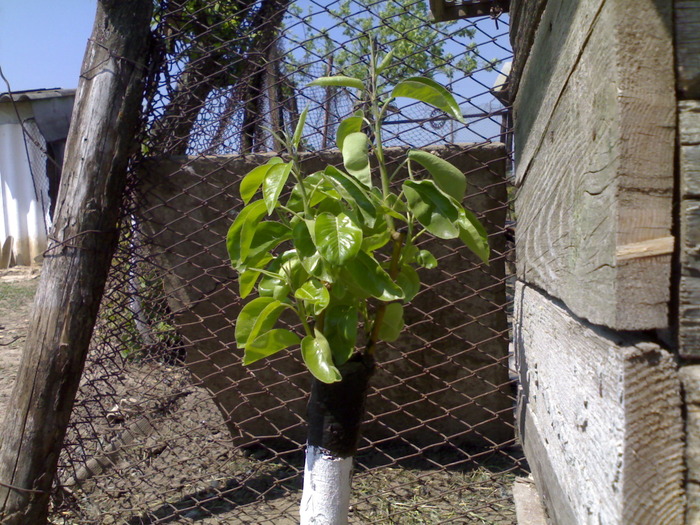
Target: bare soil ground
x=17, y=288
x=185, y=470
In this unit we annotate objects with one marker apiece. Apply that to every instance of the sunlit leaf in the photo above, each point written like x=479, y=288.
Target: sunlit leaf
x=446, y=175
x=355, y=193
x=338, y=81
x=269, y=343
x=346, y=127
x=313, y=293
x=338, y=239
x=317, y=355
x=473, y=234
x=426, y=259
x=248, y=277
x=356, y=158
x=257, y=317
x=296, y=138
x=268, y=235
x=273, y=184
x=254, y=179
x=430, y=92
x=317, y=189
x=386, y=61
x=241, y=233
x=392, y=322
x=435, y=210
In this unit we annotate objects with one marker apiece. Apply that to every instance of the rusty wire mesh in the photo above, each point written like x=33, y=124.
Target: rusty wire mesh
x=169, y=427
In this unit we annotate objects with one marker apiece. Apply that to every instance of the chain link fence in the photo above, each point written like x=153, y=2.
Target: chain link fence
x=169, y=427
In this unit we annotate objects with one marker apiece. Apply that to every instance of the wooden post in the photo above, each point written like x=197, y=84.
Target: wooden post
x=104, y=123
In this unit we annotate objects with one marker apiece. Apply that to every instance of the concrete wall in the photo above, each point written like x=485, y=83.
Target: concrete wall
x=24, y=207
x=444, y=381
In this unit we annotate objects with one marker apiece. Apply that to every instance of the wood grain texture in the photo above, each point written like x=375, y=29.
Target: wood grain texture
x=689, y=285
x=690, y=378
x=689, y=139
x=687, y=22
x=524, y=20
x=76, y=262
x=594, y=121
x=600, y=418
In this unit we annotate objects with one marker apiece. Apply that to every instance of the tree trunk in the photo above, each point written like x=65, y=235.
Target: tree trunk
x=335, y=414
x=76, y=262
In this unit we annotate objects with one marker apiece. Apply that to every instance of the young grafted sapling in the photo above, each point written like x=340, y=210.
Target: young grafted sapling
x=340, y=253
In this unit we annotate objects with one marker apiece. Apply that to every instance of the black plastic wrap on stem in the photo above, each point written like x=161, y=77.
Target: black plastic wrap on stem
x=336, y=410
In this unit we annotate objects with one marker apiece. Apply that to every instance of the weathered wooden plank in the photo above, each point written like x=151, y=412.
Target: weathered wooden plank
x=563, y=30
x=689, y=138
x=689, y=286
x=77, y=260
x=690, y=378
x=687, y=26
x=596, y=165
x=524, y=20
x=600, y=417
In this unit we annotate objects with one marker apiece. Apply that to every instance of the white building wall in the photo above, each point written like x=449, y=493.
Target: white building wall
x=23, y=187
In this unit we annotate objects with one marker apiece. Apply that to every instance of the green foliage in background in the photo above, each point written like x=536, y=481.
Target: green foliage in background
x=399, y=25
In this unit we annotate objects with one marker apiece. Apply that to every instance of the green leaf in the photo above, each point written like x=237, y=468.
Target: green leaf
x=340, y=329
x=240, y=234
x=426, y=259
x=317, y=355
x=375, y=241
x=257, y=317
x=338, y=239
x=248, y=277
x=446, y=175
x=473, y=234
x=392, y=322
x=314, y=293
x=338, y=81
x=436, y=211
x=272, y=286
x=365, y=272
x=296, y=138
x=273, y=184
x=356, y=158
x=294, y=271
x=346, y=127
x=269, y=343
x=311, y=260
x=252, y=181
x=355, y=194
x=268, y=235
x=409, y=282
x=317, y=189
x=430, y=92
x=386, y=61
x=301, y=237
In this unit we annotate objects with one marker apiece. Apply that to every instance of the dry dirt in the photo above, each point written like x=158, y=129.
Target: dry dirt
x=186, y=471
x=17, y=288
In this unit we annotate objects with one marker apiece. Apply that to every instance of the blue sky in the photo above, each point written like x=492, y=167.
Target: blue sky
x=42, y=42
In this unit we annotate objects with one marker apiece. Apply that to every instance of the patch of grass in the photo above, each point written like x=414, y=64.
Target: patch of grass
x=20, y=291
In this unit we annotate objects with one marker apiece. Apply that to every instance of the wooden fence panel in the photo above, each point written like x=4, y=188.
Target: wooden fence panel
x=594, y=119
